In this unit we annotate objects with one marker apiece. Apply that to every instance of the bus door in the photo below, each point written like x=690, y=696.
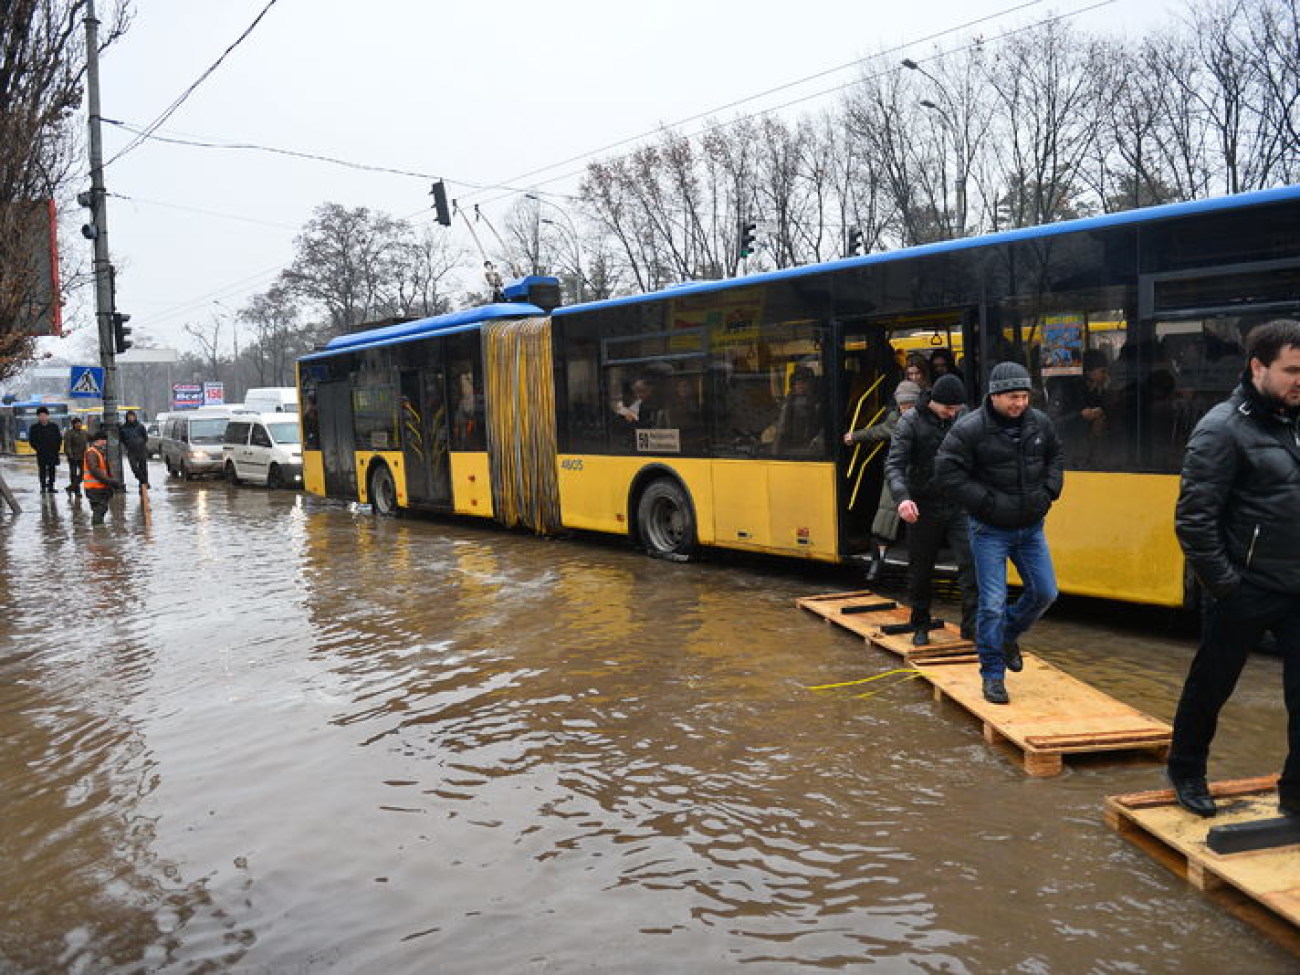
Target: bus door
x=338, y=438
x=424, y=435
x=868, y=372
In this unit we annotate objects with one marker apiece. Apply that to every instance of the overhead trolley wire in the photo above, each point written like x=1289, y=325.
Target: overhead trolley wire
x=181, y=99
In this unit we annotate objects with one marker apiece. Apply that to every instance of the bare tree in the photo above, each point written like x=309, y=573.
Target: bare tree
x=42, y=61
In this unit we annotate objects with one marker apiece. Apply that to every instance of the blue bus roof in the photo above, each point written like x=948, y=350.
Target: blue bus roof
x=1123, y=218
x=409, y=331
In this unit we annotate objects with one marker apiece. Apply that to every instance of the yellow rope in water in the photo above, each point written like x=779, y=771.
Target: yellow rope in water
x=902, y=680
x=866, y=680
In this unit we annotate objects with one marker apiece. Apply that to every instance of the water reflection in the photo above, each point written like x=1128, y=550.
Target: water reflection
x=265, y=733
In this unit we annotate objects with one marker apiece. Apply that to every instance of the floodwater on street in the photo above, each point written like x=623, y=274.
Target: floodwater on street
x=267, y=733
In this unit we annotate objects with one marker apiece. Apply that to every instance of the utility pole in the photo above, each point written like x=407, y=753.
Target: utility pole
x=97, y=231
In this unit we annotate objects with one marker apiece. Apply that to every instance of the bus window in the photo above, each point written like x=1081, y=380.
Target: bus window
x=466, y=389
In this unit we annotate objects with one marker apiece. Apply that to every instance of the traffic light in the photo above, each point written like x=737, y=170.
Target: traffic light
x=120, y=332
x=747, y=239
x=441, y=213
x=854, y=247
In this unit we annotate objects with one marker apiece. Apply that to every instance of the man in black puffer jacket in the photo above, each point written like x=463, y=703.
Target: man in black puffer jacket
x=1237, y=523
x=1003, y=464
x=930, y=516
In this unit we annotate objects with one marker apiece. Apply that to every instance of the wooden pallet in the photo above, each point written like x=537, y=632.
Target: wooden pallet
x=1051, y=714
x=1261, y=886
x=946, y=642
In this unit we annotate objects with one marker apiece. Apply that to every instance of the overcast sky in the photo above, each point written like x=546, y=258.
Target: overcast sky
x=485, y=95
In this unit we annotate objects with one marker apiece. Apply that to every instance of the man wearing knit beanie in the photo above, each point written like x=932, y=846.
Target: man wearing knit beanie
x=1002, y=463
x=931, y=517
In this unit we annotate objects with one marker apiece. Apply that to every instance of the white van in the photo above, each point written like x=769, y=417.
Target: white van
x=263, y=448
x=271, y=399
x=191, y=441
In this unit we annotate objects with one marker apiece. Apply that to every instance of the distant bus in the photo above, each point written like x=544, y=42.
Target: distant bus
x=712, y=414
x=17, y=418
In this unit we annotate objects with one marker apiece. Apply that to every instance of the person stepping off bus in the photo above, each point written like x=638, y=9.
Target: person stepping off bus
x=933, y=519
x=1002, y=463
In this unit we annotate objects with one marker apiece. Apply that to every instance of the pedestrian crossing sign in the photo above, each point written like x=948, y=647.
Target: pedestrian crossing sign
x=86, y=382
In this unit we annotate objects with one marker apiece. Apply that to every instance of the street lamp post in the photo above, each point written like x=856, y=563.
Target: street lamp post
x=572, y=234
x=958, y=138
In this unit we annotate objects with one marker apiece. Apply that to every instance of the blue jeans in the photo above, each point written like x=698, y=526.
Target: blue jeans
x=997, y=623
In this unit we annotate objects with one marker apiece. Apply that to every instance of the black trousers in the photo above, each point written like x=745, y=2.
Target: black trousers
x=47, y=468
x=1231, y=627
x=139, y=466
x=74, y=475
x=936, y=524
x=98, y=498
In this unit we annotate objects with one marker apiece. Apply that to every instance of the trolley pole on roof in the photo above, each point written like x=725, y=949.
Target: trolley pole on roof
x=97, y=229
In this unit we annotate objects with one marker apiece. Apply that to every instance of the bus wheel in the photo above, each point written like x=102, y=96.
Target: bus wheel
x=383, y=492
x=666, y=521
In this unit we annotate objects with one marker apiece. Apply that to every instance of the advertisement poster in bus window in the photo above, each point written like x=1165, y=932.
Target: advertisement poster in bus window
x=1063, y=345
x=731, y=317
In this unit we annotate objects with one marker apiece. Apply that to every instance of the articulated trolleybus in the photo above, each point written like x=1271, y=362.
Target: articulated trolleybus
x=712, y=414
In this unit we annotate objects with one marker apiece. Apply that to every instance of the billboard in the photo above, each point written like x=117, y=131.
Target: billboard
x=187, y=396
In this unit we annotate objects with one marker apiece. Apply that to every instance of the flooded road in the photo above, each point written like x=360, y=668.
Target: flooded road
x=265, y=733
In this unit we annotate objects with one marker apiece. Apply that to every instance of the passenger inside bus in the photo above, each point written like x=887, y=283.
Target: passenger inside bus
x=1082, y=409
x=799, y=425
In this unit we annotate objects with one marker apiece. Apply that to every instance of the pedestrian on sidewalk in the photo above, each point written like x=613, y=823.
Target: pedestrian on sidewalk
x=1236, y=523
x=99, y=481
x=933, y=519
x=75, y=442
x=45, y=439
x=1002, y=463
x=134, y=436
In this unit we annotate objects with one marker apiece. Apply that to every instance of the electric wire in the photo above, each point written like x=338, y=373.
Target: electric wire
x=184, y=96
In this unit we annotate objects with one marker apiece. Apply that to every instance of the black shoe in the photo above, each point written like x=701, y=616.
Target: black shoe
x=995, y=692
x=1289, y=806
x=921, y=638
x=968, y=633
x=873, y=569
x=1011, y=654
x=1194, y=796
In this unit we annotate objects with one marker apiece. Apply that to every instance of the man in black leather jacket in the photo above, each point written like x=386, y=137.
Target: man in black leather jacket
x=1238, y=526
x=1003, y=464
x=931, y=517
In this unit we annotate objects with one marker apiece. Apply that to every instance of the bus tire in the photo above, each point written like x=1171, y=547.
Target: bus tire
x=382, y=491
x=665, y=521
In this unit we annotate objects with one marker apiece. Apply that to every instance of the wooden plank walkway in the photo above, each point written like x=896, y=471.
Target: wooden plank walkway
x=843, y=609
x=1051, y=714
x=1260, y=886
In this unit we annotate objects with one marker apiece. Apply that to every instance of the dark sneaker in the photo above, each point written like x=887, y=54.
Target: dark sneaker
x=1289, y=806
x=1194, y=796
x=1011, y=654
x=921, y=638
x=995, y=691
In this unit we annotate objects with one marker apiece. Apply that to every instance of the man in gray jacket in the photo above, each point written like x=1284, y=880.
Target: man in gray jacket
x=1236, y=521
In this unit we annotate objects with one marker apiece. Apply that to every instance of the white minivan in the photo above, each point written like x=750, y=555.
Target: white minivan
x=271, y=399
x=263, y=448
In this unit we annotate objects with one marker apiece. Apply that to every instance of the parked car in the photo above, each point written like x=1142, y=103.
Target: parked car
x=154, y=428
x=191, y=441
x=263, y=449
